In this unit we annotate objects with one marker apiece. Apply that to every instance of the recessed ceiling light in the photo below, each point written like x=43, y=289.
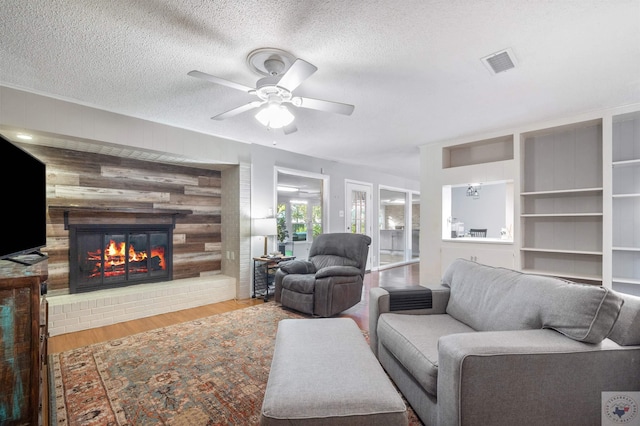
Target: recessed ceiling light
x=24, y=136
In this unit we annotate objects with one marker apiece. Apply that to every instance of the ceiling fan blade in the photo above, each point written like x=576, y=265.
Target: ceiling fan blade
x=238, y=110
x=289, y=129
x=299, y=71
x=218, y=80
x=320, y=105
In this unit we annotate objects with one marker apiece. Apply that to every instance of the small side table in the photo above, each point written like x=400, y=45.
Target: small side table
x=264, y=272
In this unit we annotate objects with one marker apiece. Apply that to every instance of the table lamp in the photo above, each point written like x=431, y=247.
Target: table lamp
x=265, y=227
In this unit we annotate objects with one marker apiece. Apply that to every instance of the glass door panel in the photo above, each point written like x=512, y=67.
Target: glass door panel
x=415, y=225
x=392, y=226
x=300, y=207
x=358, y=199
x=358, y=222
x=358, y=207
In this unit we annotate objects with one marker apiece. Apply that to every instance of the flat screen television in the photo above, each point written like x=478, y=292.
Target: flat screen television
x=24, y=204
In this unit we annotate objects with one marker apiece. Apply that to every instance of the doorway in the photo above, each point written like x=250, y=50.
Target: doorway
x=398, y=226
x=300, y=210
x=358, y=207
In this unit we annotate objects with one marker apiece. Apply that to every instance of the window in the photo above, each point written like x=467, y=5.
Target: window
x=300, y=206
x=281, y=220
x=316, y=220
x=398, y=226
x=299, y=220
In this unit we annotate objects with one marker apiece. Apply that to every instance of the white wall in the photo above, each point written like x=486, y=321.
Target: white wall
x=29, y=111
x=264, y=159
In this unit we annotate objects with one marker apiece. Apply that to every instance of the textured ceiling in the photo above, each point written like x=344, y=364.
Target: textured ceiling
x=411, y=68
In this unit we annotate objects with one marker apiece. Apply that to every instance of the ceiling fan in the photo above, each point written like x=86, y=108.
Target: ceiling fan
x=283, y=74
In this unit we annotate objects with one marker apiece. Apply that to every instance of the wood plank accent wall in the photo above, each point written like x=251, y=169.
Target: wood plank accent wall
x=85, y=179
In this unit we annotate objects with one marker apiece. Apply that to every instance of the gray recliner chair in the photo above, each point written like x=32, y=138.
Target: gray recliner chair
x=330, y=281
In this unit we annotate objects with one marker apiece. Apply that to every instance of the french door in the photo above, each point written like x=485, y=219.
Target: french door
x=358, y=207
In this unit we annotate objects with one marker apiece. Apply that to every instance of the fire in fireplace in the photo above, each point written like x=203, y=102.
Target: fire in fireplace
x=116, y=258
x=108, y=256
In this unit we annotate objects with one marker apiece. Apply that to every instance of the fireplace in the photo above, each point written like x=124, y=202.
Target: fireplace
x=109, y=256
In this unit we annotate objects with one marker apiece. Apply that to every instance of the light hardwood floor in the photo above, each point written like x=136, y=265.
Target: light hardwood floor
x=398, y=276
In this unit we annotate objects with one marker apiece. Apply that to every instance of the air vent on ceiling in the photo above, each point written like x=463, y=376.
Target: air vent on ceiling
x=497, y=62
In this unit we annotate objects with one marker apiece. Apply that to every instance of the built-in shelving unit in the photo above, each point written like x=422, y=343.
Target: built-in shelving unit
x=626, y=200
x=575, y=203
x=561, y=201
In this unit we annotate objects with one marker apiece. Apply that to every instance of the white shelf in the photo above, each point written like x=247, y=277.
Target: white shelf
x=626, y=249
x=562, y=191
x=476, y=240
x=570, y=276
x=626, y=195
x=546, y=250
x=626, y=163
x=563, y=203
x=561, y=215
x=626, y=280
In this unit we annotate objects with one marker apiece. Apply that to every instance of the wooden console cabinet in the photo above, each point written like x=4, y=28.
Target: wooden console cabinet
x=22, y=349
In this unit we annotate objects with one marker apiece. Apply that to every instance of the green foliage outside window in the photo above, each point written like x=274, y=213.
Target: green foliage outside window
x=316, y=219
x=298, y=212
x=283, y=233
x=299, y=221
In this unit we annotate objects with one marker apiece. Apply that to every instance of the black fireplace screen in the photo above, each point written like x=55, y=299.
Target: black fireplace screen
x=107, y=256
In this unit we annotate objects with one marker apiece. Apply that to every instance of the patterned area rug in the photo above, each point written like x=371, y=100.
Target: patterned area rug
x=211, y=371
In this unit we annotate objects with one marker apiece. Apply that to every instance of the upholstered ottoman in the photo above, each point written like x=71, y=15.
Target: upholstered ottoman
x=324, y=373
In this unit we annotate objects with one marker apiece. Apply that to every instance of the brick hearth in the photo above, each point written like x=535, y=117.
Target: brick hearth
x=75, y=312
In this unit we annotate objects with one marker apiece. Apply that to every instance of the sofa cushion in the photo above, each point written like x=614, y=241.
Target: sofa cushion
x=297, y=266
x=413, y=340
x=333, y=271
x=302, y=302
x=340, y=249
x=626, y=331
x=324, y=260
x=494, y=299
x=299, y=283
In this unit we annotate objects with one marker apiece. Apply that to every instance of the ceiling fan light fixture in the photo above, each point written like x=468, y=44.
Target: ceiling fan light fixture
x=283, y=74
x=274, y=116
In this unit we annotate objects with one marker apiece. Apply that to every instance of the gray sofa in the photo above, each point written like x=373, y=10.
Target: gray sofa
x=500, y=347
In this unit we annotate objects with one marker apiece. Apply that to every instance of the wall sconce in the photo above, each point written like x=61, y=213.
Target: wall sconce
x=265, y=227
